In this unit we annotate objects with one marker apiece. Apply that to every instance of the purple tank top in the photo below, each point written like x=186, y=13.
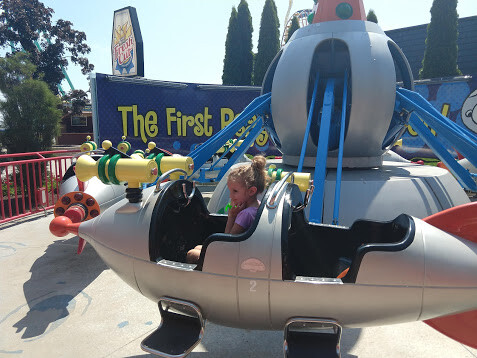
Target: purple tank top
x=246, y=217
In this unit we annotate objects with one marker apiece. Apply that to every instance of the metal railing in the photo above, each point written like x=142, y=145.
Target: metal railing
x=30, y=181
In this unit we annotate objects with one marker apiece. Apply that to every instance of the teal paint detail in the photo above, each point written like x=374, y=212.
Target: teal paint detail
x=344, y=11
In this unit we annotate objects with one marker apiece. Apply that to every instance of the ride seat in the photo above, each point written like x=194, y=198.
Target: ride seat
x=176, y=227
x=221, y=236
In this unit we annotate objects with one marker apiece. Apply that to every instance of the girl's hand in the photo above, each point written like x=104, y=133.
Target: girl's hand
x=235, y=209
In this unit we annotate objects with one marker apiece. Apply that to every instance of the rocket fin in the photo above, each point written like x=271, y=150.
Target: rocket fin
x=81, y=245
x=460, y=221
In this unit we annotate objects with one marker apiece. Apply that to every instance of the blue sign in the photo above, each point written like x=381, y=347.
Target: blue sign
x=176, y=116
x=180, y=116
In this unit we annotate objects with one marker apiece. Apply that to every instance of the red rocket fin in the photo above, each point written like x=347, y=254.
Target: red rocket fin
x=460, y=221
x=81, y=245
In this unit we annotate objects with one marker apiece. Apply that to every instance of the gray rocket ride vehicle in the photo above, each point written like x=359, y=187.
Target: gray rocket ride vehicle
x=289, y=271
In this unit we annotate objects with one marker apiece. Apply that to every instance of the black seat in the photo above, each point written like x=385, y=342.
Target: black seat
x=176, y=227
x=315, y=250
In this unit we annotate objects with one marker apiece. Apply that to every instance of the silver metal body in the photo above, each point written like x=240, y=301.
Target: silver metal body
x=373, y=88
x=241, y=283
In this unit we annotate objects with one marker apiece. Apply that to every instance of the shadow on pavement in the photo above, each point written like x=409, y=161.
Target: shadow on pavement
x=57, y=280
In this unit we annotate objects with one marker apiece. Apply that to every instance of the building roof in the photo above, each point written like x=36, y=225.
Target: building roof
x=412, y=41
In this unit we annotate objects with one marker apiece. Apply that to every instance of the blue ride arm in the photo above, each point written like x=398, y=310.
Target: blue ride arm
x=459, y=172
x=259, y=106
x=254, y=132
x=316, y=208
x=464, y=141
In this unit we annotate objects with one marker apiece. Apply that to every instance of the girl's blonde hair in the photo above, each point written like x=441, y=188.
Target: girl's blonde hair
x=251, y=175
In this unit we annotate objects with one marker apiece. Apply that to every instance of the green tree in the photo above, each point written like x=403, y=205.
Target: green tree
x=295, y=25
x=30, y=110
x=268, y=41
x=372, y=16
x=245, y=28
x=27, y=25
x=440, y=56
x=238, y=61
x=231, y=60
x=74, y=102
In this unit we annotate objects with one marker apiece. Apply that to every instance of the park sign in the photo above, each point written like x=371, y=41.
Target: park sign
x=176, y=116
x=126, y=45
x=180, y=116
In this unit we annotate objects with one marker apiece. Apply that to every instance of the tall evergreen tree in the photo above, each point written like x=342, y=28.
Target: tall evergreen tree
x=268, y=41
x=238, y=61
x=244, y=23
x=440, y=56
x=372, y=16
x=295, y=25
x=231, y=60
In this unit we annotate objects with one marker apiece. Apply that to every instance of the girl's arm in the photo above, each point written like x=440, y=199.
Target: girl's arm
x=236, y=229
x=231, y=227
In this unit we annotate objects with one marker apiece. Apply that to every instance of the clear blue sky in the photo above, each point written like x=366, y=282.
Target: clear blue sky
x=184, y=40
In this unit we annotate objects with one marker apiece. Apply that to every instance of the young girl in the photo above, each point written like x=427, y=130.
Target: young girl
x=245, y=183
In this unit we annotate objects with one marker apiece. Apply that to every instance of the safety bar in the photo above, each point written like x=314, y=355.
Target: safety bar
x=306, y=200
x=271, y=203
x=166, y=175
x=184, y=191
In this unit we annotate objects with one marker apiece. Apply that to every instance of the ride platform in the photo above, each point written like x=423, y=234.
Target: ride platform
x=55, y=302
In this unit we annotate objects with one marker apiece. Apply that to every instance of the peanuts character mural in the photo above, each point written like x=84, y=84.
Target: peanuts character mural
x=469, y=112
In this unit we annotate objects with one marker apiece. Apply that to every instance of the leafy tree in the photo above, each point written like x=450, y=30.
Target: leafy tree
x=231, y=60
x=14, y=69
x=27, y=25
x=372, y=16
x=74, y=102
x=30, y=110
x=440, y=56
x=295, y=25
x=268, y=40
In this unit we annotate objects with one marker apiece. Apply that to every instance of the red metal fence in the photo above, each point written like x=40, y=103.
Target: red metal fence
x=30, y=181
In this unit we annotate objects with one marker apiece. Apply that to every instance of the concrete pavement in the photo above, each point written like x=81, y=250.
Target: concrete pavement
x=55, y=303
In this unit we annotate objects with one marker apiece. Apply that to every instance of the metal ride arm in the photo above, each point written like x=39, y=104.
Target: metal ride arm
x=316, y=210
x=339, y=169
x=252, y=135
x=259, y=107
x=308, y=124
x=464, y=141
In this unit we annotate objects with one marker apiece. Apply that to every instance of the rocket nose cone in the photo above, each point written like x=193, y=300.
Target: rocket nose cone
x=335, y=10
x=62, y=226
